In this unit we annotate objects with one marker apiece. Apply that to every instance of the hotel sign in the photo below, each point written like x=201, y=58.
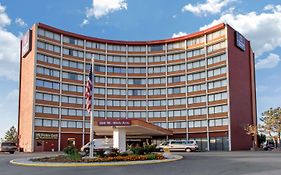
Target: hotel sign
x=121, y=122
x=26, y=43
x=240, y=41
x=46, y=136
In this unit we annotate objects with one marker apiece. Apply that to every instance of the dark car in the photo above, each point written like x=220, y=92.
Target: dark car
x=8, y=147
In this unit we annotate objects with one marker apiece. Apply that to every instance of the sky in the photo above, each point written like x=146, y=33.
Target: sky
x=258, y=20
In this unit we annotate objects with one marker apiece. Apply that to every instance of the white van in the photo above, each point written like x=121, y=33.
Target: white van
x=179, y=145
x=98, y=144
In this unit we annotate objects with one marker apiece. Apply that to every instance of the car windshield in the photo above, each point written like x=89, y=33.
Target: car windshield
x=8, y=144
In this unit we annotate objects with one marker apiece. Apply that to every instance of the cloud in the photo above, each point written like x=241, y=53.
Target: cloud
x=20, y=22
x=85, y=22
x=262, y=29
x=101, y=8
x=4, y=19
x=9, y=49
x=271, y=61
x=209, y=7
x=175, y=35
x=8, y=104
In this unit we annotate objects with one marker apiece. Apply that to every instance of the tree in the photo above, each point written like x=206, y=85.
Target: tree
x=272, y=123
x=12, y=135
x=252, y=130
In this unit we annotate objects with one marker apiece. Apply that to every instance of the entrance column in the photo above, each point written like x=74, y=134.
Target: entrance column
x=119, y=139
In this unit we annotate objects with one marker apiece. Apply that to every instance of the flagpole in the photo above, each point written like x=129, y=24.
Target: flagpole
x=91, y=114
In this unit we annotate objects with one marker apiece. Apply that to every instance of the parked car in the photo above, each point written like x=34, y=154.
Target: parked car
x=268, y=145
x=105, y=144
x=8, y=147
x=179, y=145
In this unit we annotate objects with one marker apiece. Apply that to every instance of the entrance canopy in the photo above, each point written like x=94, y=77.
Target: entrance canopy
x=133, y=127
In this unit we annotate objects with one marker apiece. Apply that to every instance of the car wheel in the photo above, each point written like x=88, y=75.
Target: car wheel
x=187, y=150
x=12, y=152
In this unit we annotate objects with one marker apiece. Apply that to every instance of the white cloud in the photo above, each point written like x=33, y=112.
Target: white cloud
x=101, y=8
x=4, y=19
x=209, y=7
x=9, y=48
x=271, y=61
x=85, y=22
x=175, y=35
x=8, y=104
x=262, y=29
x=20, y=22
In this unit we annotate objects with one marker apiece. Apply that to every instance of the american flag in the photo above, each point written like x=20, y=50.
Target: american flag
x=88, y=92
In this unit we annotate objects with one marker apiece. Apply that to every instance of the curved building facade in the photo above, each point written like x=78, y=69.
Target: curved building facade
x=200, y=86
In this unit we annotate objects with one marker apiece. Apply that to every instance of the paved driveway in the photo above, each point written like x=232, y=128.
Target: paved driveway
x=201, y=163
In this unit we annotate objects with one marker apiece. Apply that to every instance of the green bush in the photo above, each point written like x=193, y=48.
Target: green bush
x=137, y=150
x=149, y=149
x=124, y=154
x=151, y=156
x=72, y=153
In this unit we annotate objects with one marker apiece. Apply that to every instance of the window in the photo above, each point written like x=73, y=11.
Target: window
x=197, y=123
x=73, y=41
x=47, y=84
x=197, y=111
x=216, y=47
x=218, y=96
x=48, y=34
x=72, y=76
x=47, y=71
x=136, y=48
x=199, y=87
x=158, y=58
x=196, y=64
x=153, y=48
x=73, y=88
x=200, y=99
x=216, y=59
x=46, y=110
x=196, y=76
x=218, y=122
x=217, y=84
x=177, y=45
x=176, y=79
x=50, y=47
x=218, y=109
x=216, y=72
x=177, y=56
x=48, y=59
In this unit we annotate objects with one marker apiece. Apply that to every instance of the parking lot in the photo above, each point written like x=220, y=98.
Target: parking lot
x=201, y=163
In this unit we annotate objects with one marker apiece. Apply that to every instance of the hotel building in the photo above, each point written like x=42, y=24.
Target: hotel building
x=200, y=86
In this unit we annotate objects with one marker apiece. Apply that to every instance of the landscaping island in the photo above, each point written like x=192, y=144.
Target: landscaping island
x=104, y=155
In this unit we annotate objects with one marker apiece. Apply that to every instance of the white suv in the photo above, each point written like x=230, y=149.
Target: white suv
x=179, y=145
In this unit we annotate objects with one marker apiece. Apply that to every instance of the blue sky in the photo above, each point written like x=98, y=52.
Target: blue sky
x=259, y=21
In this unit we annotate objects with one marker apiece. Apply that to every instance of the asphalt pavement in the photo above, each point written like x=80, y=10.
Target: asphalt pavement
x=197, y=163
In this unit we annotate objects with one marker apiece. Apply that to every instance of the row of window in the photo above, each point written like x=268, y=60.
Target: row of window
x=193, y=124
x=72, y=76
x=48, y=34
x=47, y=71
x=64, y=123
x=48, y=59
x=139, y=59
x=49, y=47
x=176, y=90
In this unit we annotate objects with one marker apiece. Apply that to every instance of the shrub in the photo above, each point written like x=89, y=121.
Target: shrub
x=72, y=153
x=124, y=154
x=137, y=150
x=151, y=156
x=149, y=149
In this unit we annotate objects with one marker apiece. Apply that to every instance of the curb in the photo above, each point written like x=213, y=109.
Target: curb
x=125, y=163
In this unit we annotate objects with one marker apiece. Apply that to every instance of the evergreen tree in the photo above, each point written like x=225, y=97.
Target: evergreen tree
x=12, y=135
